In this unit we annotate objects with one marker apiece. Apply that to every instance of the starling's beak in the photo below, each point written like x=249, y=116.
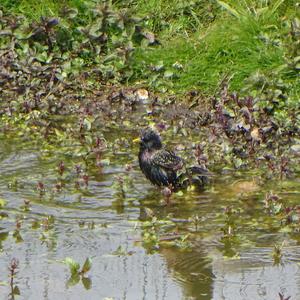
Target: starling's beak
x=137, y=140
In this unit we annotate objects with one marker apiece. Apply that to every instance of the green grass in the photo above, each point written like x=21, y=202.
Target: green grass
x=211, y=39
x=176, y=17
x=237, y=44
x=233, y=49
x=226, y=48
x=35, y=9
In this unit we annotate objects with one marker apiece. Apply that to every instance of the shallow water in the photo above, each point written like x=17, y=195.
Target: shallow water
x=95, y=221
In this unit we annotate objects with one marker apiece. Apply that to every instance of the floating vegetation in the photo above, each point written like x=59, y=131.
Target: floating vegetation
x=78, y=273
x=70, y=183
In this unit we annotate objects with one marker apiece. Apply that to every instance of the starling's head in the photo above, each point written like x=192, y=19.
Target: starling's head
x=150, y=140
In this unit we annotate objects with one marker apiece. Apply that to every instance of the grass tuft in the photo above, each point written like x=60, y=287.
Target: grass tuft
x=247, y=38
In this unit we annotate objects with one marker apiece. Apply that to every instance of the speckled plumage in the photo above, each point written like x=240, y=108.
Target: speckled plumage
x=158, y=164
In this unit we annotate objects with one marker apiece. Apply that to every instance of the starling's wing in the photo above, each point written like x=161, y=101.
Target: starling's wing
x=167, y=159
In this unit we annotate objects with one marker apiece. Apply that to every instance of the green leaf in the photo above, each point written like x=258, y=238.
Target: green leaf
x=87, y=282
x=87, y=123
x=72, y=13
x=261, y=11
x=104, y=162
x=73, y=280
x=276, y=5
x=168, y=74
x=230, y=9
x=120, y=251
x=3, y=236
x=16, y=291
x=297, y=66
x=180, y=193
x=73, y=265
x=286, y=229
x=43, y=57
x=2, y=202
x=159, y=66
x=59, y=134
x=87, y=265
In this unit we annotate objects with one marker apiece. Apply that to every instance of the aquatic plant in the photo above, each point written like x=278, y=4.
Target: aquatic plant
x=13, y=270
x=78, y=273
x=2, y=202
x=277, y=253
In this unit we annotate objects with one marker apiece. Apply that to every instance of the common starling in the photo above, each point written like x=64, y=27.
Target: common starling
x=160, y=166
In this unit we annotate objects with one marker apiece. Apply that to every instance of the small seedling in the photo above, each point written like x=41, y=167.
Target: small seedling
x=78, y=273
x=48, y=222
x=13, y=270
x=58, y=187
x=75, y=266
x=26, y=206
x=41, y=188
x=121, y=185
x=183, y=242
x=151, y=239
x=277, y=253
x=16, y=233
x=14, y=184
x=196, y=221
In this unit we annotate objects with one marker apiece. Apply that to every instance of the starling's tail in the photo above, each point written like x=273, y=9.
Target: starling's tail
x=196, y=175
